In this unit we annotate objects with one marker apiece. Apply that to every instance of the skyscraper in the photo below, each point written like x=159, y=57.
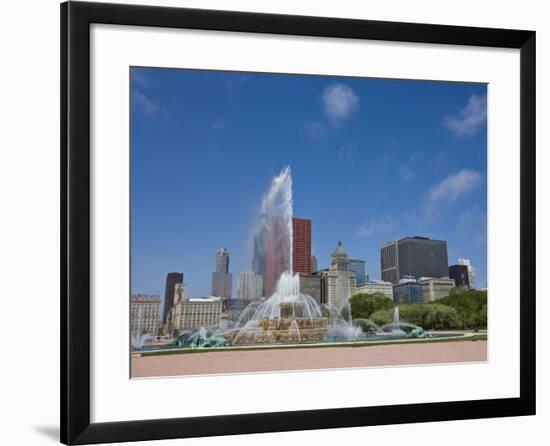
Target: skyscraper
x=472, y=277
x=339, y=282
x=277, y=258
x=358, y=267
x=413, y=256
x=250, y=285
x=171, y=280
x=301, y=245
x=222, y=278
x=459, y=273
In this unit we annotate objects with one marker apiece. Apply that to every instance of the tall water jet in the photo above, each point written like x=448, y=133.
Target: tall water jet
x=396, y=318
x=273, y=234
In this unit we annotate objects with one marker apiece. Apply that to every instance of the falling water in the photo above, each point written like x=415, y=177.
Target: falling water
x=273, y=233
x=396, y=318
x=277, y=203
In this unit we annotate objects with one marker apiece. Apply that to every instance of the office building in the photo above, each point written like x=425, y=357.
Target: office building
x=339, y=282
x=408, y=291
x=413, y=256
x=384, y=288
x=472, y=276
x=459, y=273
x=301, y=245
x=250, y=285
x=435, y=288
x=195, y=313
x=144, y=314
x=310, y=284
x=170, y=288
x=222, y=278
x=358, y=267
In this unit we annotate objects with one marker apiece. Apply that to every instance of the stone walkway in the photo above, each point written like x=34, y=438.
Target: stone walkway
x=223, y=362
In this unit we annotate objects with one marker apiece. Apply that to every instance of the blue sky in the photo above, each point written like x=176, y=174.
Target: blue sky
x=371, y=159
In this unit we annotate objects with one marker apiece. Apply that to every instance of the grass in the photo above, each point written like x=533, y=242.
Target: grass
x=474, y=338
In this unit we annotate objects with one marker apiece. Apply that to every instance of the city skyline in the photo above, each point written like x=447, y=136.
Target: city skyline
x=432, y=166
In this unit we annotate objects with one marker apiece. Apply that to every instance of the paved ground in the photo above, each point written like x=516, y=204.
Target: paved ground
x=308, y=358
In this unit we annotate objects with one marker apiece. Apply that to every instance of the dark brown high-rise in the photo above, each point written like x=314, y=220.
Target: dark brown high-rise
x=301, y=245
x=171, y=280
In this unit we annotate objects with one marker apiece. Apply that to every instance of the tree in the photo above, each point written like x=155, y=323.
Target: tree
x=470, y=305
x=363, y=305
x=382, y=317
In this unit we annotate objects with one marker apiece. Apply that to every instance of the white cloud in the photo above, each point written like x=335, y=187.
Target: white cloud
x=219, y=124
x=377, y=226
x=455, y=185
x=340, y=102
x=144, y=104
x=443, y=194
x=470, y=119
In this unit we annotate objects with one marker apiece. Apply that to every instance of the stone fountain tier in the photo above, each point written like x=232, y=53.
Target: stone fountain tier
x=283, y=330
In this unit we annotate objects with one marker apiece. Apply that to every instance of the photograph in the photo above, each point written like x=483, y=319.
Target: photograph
x=294, y=222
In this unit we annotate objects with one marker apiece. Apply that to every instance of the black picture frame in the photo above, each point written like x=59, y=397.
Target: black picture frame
x=76, y=18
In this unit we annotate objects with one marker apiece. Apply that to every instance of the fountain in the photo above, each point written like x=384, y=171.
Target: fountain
x=287, y=316
x=400, y=329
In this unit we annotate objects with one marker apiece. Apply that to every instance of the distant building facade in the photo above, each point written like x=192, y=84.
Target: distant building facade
x=301, y=245
x=222, y=278
x=413, y=256
x=358, y=267
x=385, y=288
x=459, y=273
x=310, y=284
x=145, y=314
x=339, y=282
x=195, y=313
x=472, y=276
x=435, y=288
x=171, y=280
x=250, y=285
x=408, y=292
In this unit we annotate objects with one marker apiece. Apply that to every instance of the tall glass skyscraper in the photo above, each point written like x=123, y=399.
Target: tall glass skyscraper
x=358, y=267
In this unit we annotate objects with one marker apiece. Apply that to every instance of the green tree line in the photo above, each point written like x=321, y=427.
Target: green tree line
x=461, y=309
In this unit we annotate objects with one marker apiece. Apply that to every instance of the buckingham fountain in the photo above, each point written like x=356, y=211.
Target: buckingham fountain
x=288, y=316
